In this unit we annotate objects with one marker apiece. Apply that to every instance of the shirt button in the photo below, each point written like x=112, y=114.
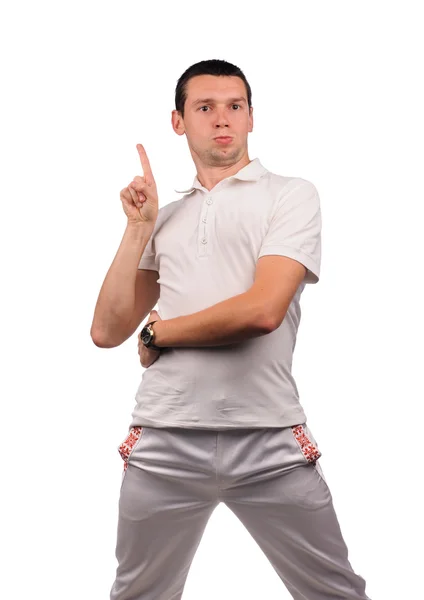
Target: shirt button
x=209, y=201
x=204, y=241
x=204, y=219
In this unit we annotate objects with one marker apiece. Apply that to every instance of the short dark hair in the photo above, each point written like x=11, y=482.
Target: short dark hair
x=208, y=67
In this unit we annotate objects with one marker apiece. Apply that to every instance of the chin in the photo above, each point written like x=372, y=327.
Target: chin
x=226, y=153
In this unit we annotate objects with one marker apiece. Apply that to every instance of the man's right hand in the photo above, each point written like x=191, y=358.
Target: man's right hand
x=140, y=199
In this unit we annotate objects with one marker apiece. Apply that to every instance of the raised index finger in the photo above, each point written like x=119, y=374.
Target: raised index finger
x=147, y=171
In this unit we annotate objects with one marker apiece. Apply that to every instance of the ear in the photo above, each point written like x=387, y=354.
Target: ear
x=251, y=120
x=177, y=122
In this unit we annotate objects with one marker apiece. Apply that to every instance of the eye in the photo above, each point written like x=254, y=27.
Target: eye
x=237, y=105
x=205, y=106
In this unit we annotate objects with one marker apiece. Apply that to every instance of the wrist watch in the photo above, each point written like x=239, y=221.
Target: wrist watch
x=147, y=336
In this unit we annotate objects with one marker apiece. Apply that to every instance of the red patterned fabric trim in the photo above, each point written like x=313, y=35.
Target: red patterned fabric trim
x=310, y=451
x=128, y=444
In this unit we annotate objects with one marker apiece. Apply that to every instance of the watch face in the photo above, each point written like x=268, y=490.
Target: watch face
x=145, y=335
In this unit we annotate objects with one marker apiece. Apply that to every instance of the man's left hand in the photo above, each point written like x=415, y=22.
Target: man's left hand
x=147, y=355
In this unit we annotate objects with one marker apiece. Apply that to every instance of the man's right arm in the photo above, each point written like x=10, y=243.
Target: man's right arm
x=128, y=294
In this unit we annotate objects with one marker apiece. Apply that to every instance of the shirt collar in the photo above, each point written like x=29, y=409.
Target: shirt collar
x=251, y=172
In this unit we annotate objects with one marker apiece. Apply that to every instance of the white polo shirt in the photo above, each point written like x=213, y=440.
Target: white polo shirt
x=205, y=247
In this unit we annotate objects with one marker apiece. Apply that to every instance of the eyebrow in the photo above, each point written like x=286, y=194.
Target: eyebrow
x=211, y=100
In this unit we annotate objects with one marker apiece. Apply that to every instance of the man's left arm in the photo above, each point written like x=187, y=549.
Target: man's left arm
x=290, y=252
x=256, y=312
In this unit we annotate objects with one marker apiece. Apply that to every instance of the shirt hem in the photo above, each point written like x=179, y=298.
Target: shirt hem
x=296, y=419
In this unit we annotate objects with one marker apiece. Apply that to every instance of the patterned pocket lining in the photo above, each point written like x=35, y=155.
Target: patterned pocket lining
x=128, y=444
x=308, y=448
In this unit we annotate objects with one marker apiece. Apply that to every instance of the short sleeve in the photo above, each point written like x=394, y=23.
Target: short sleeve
x=148, y=258
x=295, y=228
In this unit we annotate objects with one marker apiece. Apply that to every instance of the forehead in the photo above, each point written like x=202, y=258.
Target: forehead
x=212, y=86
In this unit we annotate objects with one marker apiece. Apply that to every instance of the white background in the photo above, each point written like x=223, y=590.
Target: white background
x=337, y=100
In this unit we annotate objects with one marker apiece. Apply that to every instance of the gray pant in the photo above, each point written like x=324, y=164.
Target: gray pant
x=174, y=478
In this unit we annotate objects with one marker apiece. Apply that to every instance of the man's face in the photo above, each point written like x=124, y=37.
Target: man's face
x=215, y=106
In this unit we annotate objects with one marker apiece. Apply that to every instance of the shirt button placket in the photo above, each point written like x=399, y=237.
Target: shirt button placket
x=204, y=232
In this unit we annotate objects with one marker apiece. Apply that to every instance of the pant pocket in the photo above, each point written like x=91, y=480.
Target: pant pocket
x=126, y=447
x=318, y=469
x=306, y=442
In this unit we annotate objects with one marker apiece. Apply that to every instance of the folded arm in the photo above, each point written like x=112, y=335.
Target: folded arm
x=251, y=314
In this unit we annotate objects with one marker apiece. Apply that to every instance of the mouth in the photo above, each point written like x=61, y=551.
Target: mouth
x=223, y=139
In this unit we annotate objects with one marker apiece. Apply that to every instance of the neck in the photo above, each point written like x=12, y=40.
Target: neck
x=209, y=177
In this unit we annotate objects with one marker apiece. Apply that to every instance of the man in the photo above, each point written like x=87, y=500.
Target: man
x=218, y=417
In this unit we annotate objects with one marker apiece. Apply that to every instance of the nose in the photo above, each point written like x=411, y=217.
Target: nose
x=221, y=119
